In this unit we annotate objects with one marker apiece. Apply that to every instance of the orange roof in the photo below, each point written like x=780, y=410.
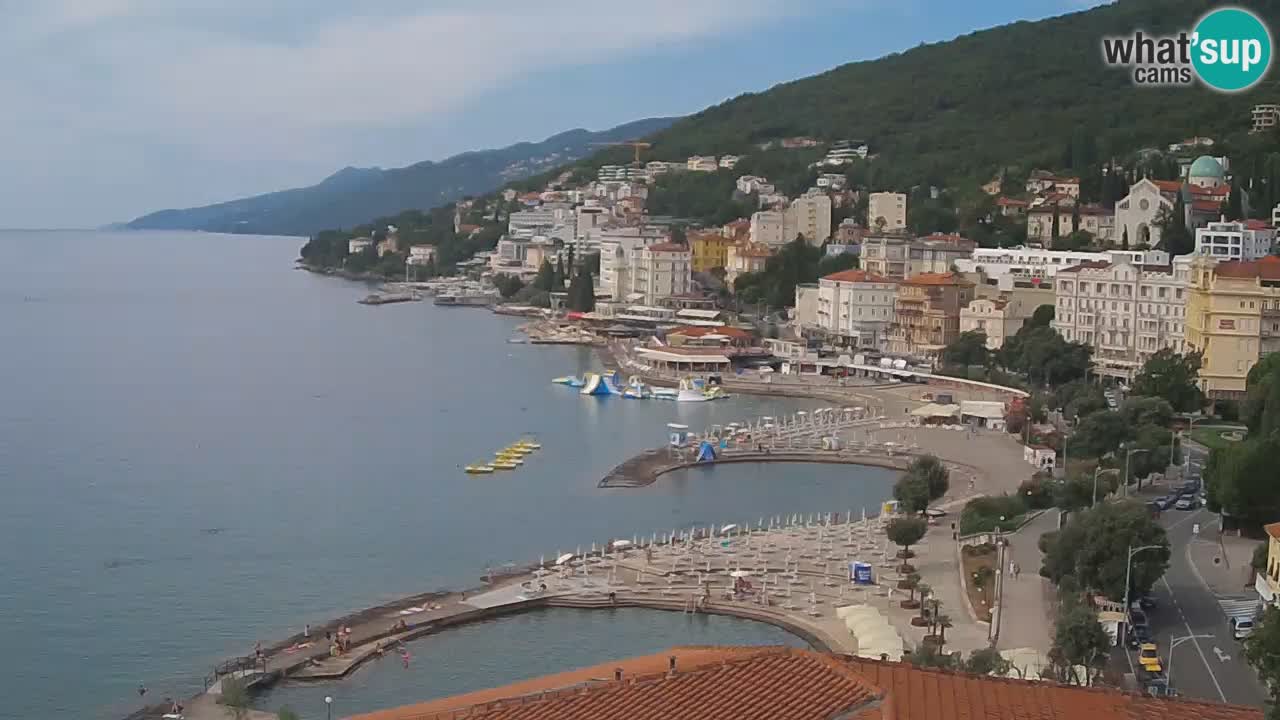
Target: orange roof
x=793, y=684
x=696, y=332
x=1257, y=225
x=1211, y=206
x=857, y=276
x=709, y=684
x=1168, y=186
x=1010, y=202
x=1273, y=530
x=1268, y=268
x=753, y=250
x=914, y=693
x=937, y=279
x=668, y=247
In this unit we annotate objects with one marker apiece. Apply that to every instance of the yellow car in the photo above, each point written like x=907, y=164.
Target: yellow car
x=1148, y=657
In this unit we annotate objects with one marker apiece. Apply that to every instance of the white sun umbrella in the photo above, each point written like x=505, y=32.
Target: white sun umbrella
x=564, y=558
x=620, y=544
x=728, y=528
x=740, y=574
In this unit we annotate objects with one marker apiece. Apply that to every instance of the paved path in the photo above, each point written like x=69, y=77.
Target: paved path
x=1027, y=607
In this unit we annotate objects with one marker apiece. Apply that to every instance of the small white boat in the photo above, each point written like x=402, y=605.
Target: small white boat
x=665, y=393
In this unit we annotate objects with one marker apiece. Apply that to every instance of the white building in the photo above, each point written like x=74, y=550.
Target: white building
x=421, y=254
x=748, y=184
x=1125, y=312
x=854, y=308
x=660, y=271
x=616, y=246
x=832, y=181
x=1250, y=240
x=845, y=152
x=767, y=228
x=887, y=211
x=998, y=318
x=729, y=162
x=701, y=163
x=1022, y=264
x=810, y=216
x=356, y=246
x=588, y=218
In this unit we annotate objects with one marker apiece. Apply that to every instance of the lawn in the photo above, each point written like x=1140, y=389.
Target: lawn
x=1211, y=437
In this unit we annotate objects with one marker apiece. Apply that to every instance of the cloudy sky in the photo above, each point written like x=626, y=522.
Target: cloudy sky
x=114, y=108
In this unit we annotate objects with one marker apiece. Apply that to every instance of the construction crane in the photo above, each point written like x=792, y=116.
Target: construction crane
x=637, y=145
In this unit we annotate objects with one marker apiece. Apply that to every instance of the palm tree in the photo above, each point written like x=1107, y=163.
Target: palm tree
x=924, y=590
x=942, y=622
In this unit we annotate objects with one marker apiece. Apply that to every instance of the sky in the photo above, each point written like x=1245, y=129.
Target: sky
x=116, y=108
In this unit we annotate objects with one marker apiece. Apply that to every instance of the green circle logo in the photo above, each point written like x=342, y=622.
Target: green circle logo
x=1231, y=49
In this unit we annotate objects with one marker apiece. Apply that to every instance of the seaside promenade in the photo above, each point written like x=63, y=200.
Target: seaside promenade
x=793, y=572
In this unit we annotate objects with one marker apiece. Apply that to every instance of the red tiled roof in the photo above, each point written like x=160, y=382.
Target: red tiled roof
x=936, y=279
x=1168, y=186
x=915, y=693
x=1087, y=265
x=1206, y=205
x=1268, y=268
x=793, y=684
x=857, y=276
x=668, y=247
x=1273, y=530
x=1257, y=225
x=709, y=684
x=1010, y=202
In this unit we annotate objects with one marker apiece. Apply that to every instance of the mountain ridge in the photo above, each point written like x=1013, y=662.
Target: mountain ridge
x=353, y=195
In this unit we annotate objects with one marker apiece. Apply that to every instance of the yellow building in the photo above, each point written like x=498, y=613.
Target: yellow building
x=1233, y=319
x=1267, y=583
x=710, y=250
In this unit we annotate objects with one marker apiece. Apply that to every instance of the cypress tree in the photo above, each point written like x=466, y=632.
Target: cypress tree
x=1055, y=231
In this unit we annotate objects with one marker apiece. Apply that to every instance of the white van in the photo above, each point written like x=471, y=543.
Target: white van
x=1241, y=627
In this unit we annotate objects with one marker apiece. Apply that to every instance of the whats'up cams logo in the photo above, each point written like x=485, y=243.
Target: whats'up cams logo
x=1228, y=50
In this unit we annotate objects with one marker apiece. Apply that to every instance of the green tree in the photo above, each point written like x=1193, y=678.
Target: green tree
x=1262, y=650
x=1139, y=410
x=1042, y=316
x=934, y=472
x=1174, y=235
x=1257, y=389
x=969, y=348
x=1243, y=480
x=508, y=285
x=912, y=493
x=987, y=661
x=1169, y=375
x=1099, y=433
x=545, y=278
x=1055, y=231
x=1077, y=492
x=1078, y=639
x=906, y=531
x=1090, y=549
x=1075, y=217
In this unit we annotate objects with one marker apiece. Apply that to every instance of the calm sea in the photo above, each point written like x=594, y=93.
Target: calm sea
x=201, y=447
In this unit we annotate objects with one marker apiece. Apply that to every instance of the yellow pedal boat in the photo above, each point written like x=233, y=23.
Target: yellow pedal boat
x=479, y=469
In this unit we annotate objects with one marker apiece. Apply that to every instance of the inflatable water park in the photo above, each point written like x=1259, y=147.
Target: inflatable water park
x=508, y=458
x=605, y=384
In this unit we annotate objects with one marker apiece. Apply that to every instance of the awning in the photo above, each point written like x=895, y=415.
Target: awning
x=665, y=356
x=934, y=410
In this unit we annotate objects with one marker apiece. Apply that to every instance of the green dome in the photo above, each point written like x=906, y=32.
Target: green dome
x=1205, y=166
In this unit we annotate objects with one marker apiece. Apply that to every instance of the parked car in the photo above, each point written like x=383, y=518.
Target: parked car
x=1149, y=657
x=1137, y=635
x=1147, y=602
x=1189, y=488
x=1164, y=502
x=1186, y=502
x=1241, y=627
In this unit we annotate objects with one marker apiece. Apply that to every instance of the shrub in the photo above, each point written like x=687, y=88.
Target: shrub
x=984, y=514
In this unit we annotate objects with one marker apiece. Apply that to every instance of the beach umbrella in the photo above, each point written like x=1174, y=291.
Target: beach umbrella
x=564, y=558
x=728, y=528
x=739, y=574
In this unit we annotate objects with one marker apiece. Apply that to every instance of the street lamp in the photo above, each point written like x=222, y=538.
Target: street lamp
x=1127, y=456
x=1128, y=568
x=1175, y=642
x=328, y=706
x=1096, y=472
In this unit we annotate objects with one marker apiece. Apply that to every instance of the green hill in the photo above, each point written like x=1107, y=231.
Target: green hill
x=356, y=195
x=1014, y=95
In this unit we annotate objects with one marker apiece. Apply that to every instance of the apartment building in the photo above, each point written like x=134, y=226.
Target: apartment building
x=1126, y=312
x=937, y=253
x=768, y=227
x=1248, y=240
x=1233, y=319
x=710, y=250
x=616, y=246
x=700, y=163
x=1093, y=219
x=887, y=211
x=885, y=254
x=745, y=257
x=926, y=315
x=660, y=271
x=854, y=308
x=999, y=318
x=810, y=216
x=1265, y=117
x=1005, y=267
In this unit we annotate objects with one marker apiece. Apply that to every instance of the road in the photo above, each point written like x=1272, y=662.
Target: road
x=1207, y=668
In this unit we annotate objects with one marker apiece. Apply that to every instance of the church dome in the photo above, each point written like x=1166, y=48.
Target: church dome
x=1206, y=167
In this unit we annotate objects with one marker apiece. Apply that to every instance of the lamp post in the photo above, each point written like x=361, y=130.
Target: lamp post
x=1175, y=642
x=1127, y=456
x=328, y=706
x=1128, y=568
x=1096, y=472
